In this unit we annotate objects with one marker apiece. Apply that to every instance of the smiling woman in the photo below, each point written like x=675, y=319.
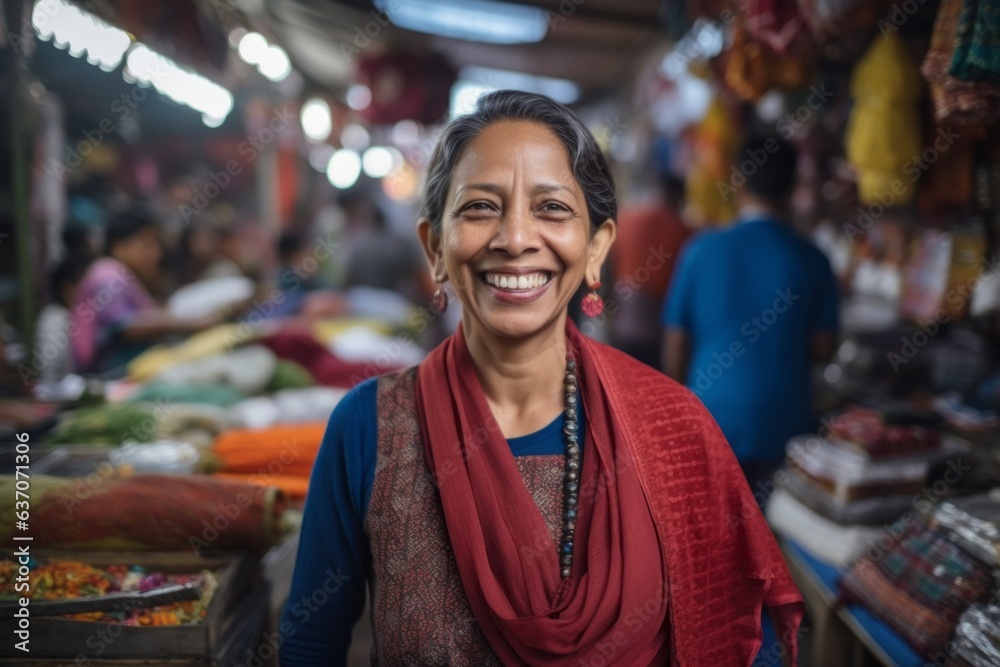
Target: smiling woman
x=527, y=496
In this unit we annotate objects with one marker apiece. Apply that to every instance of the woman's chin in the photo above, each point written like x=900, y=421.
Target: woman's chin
x=516, y=324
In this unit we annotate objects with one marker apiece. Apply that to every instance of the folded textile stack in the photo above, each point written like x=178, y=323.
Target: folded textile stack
x=280, y=456
x=834, y=543
x=291, y=406
x=843, y=483
x=882, y=434
x=920, y=585
x=977, y=638
x=973, y=522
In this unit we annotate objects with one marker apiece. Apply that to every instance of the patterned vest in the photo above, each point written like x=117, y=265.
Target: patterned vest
x=420, y=614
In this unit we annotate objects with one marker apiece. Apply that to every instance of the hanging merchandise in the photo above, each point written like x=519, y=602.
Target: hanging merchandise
x=977, y=47
x=405, y=86
x=777, y=24
x=753, y=69
x=827, y=17
x=956, y=100
x=714, y=144
x=883, y=133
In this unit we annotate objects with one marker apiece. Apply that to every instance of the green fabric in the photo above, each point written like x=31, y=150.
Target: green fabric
x=289, y=375
x=977, y=43
x=176, y=393
x=104, y=425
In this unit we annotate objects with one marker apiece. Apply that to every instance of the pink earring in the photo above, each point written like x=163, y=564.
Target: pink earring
x=593, y=304
x=439, y=302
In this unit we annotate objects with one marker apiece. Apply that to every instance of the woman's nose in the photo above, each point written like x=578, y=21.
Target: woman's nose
x=516, y=233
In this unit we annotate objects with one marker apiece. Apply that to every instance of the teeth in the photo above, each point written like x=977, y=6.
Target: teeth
x=523, y=282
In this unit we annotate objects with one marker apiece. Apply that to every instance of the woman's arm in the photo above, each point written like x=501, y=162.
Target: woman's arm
x=156, y=322
x=328, y=588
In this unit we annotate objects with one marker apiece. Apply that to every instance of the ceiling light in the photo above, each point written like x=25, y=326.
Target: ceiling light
x=377, y=161
x=359, y=97
x=253, y=48
x=317, y=122
x=274, y=64
x=355, y=136
x=473, y=20
x=561, y=90
x=180, y=84
x=344, y=168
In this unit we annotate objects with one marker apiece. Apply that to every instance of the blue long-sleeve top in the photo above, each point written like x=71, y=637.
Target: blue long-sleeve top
x=331, y=570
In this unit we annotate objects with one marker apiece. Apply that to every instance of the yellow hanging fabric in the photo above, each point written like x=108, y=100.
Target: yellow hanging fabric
x=883, y=133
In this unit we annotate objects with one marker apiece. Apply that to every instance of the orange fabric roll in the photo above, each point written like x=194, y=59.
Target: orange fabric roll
x=288, y=449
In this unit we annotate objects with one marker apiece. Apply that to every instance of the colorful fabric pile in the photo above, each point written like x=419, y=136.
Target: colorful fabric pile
x=303, y=348
x=105, y=425
x=148, y=513
x=290, y=406
x=920, y=585
x=962, y=69
x=755, y=67
x=247, y=369
x=73, y=580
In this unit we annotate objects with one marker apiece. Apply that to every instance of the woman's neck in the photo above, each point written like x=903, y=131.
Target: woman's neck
x=523, y=378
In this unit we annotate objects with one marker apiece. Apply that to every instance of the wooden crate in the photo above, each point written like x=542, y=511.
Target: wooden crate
x=194, y=645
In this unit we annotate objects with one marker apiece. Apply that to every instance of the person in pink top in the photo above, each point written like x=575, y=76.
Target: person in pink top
x=114, y=317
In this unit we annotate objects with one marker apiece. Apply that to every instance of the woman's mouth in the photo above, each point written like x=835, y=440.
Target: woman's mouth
x=519, y=288
x=519, y=283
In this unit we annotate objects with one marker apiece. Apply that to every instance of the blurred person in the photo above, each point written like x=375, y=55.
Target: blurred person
x=750, y=309
x=82, y=241
x=114, y=317
x=643, y=258
x=386, y=260
x=52, y=331
x=202, y=257
x=506, y=500
x=299, y=264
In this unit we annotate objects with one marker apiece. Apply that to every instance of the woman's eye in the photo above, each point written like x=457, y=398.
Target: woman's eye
x=555, y=207
x=478, y=206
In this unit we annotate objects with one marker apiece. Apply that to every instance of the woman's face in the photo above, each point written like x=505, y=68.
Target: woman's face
x=515, y=239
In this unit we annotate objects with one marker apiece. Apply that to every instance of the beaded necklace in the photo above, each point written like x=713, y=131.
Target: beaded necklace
x=571, y=481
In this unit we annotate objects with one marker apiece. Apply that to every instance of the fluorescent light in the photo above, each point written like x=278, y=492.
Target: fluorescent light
x=180, y=84
x=275, y=65
x=253, y=48
x=344, y=168
x=359, y=97
x=317, y=123
x=474, y=20
x=561, y=90
x=80, y=33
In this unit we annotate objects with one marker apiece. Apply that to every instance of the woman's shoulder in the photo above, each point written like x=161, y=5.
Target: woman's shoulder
x=632, y=377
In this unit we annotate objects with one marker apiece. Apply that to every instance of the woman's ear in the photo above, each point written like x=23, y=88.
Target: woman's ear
x=600, y=245
x=430, y=241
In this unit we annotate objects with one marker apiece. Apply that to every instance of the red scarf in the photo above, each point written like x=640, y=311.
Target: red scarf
x=654, y=535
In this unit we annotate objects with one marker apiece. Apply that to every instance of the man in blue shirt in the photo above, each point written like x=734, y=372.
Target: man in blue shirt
x=750, y=309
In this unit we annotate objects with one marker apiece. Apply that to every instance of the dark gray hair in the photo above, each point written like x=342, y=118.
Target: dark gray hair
x=589, y=166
